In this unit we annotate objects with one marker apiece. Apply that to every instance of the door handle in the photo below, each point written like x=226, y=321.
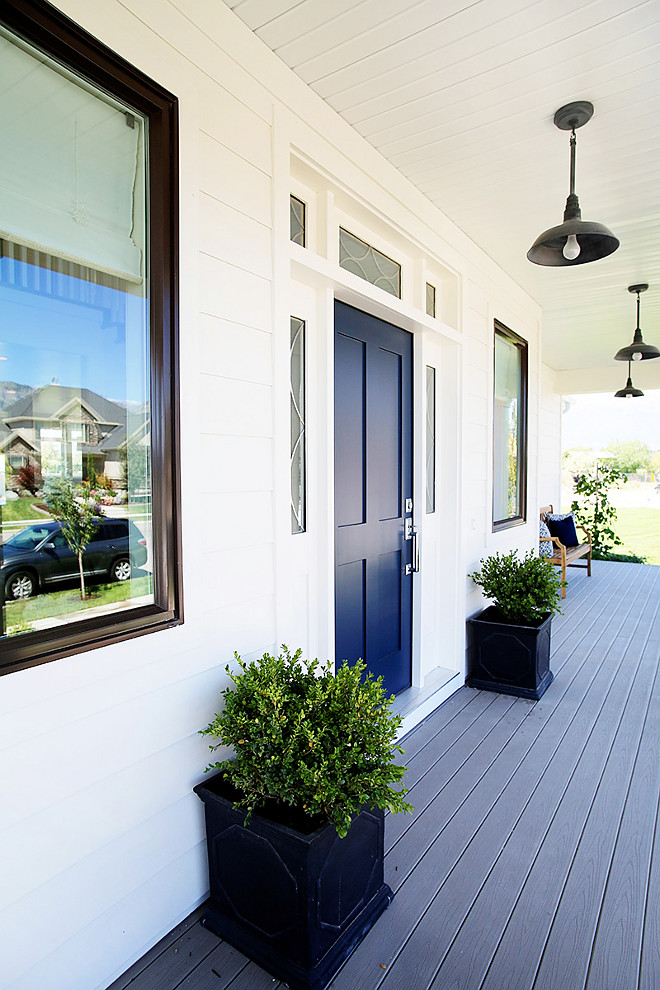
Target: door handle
x=414, y=567
x=415, y=551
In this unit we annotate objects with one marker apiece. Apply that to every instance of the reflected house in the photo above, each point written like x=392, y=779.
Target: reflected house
x=64, y=431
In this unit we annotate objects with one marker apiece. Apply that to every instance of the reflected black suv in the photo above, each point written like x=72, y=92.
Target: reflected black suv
x=39, y=556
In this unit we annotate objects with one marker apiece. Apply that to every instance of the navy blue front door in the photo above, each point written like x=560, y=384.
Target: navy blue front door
x=373, y=494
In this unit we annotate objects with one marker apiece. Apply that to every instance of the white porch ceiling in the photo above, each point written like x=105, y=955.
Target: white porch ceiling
x=460, y=97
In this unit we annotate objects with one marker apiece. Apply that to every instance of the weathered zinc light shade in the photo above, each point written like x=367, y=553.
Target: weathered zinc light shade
x=638, y=350
x=629, y=392
x=575, y=241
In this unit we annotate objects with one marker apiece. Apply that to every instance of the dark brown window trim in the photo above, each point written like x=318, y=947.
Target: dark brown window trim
x=46, y=28
x=522, y=345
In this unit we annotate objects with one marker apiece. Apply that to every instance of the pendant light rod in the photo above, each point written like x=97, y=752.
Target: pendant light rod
x=572, y=210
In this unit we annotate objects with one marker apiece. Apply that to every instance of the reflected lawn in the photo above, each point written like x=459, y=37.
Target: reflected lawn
x=22, y=509
x=20, y=615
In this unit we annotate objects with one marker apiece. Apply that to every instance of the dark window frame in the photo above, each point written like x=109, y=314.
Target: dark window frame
x=47, y=29
x=520, y=519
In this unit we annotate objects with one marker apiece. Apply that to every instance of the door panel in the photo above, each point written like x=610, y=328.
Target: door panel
x=350, y=430
x=373, y=480
x=387, y=631
x=388, y=436
x=350, y=604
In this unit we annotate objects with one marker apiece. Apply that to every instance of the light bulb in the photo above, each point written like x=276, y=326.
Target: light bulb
x=571, y=248
x=629, y=396
x=637, y=356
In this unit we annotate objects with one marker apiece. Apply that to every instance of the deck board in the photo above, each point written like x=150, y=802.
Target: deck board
x=532, y=860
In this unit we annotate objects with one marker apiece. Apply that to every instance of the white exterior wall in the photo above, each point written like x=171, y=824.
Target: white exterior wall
x=102, y=839
x=549, y=485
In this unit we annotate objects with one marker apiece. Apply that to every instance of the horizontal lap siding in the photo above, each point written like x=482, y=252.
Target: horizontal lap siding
x=549, y=441
x=101, y=835
x=235, y=351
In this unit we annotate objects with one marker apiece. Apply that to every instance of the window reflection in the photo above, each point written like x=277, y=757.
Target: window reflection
x=74, y=410
x=509, y=426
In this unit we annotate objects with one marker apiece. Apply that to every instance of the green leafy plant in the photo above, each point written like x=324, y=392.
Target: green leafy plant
x=625, y=558
x=592, y=507
x=304, y=737
x=524, y=590
x=629, y=455
x=77, y=515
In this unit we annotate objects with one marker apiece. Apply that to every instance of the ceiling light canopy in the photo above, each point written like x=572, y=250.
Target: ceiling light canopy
x=638, y=350
x=629, y=392
x=575, y=241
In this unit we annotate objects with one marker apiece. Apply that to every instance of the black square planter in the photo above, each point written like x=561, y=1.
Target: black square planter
x=511, y=659
x=295, y=903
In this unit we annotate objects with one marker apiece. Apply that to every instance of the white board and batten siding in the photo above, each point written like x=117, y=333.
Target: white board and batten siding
x=102, y=840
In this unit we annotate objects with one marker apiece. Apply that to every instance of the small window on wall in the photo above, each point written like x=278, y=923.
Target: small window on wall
x=297, y=220
x=368, y=263
x=430, y=439
x=298, y=436
x=430, y=299
x=509, y=429
x=88, y=250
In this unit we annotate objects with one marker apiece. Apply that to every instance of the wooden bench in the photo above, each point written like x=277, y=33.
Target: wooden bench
x=566, y=556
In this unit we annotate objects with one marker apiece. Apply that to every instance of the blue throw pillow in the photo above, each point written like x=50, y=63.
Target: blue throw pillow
x=546, y=548
x=563, y=527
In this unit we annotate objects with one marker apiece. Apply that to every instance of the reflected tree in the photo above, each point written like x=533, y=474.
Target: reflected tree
x=77, y=514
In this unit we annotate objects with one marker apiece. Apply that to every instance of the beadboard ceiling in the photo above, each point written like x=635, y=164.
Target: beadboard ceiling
x=460, y=97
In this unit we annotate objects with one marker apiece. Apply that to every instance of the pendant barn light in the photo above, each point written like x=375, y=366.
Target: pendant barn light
x=629, y=392
x=638, y=350
x=575, y=241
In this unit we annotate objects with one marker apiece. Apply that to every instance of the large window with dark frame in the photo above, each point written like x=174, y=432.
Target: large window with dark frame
x=509, y=428
x=88, y=343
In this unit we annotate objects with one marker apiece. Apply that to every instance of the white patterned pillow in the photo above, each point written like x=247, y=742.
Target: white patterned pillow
x=545, y=547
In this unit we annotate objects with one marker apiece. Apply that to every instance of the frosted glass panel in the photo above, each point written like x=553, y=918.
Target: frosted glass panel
x=298, y=442
x=430, y=299
x=365, y=261
x=430, y=439
x=297, y=220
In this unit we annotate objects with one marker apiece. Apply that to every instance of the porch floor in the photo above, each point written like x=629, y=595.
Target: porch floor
x=530, y=860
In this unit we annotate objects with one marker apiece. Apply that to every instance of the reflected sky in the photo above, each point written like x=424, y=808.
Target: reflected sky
x=45, y=337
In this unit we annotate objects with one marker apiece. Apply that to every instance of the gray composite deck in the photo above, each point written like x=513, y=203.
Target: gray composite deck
x=530, y=860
